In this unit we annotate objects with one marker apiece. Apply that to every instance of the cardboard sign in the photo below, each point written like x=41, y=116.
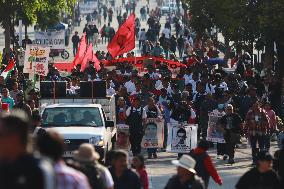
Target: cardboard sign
x=122, y=140
x=214, y=133
x=36, y=59
x=154, y=134
x=54, y=39
x=181, y=137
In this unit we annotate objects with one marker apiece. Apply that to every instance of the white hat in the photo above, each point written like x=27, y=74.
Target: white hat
x=186, y=162
x=86, y=153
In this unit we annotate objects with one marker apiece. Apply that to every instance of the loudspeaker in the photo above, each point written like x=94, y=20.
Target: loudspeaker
x=47, y=89
x=99, y=89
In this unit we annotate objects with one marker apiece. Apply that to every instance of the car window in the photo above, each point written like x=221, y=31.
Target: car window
x=71, y=116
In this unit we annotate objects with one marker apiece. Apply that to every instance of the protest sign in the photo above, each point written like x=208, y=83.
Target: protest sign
x=54, y=39
x=36, y=59
x=122, y=141
x=88, y=7
x=181, y=137
x=154, y=134
x=214, y=131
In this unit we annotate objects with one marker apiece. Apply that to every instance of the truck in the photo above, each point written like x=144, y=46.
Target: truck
x=81, y=120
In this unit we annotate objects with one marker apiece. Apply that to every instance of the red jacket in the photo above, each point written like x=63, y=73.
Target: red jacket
x=208, y=164
x=143, y=178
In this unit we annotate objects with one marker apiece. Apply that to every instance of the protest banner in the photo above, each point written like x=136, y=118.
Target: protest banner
x=122, y=140
x=154, y=134
x=54, y=39
x=214, y=131
x=181, y=137
x=36, y=59
x=88, y=7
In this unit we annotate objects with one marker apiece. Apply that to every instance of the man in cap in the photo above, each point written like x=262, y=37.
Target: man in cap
x=186, y=177
x=261, y=176
x=51, y=145
x=22, y=105
x=86, y=161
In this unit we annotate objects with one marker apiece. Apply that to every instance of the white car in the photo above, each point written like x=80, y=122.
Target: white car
x=80, y=123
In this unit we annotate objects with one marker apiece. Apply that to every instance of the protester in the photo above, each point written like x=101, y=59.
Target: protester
x=7, y=99
x=256, y=127
x=75, y=40
x=86, y=161
x=262, y=176
x=138, y=164
x=123, y=177
x=51, y=145
x=22, y=105
x=186, y=175
x=231, y=123
x=19, y=168
x=204, y=166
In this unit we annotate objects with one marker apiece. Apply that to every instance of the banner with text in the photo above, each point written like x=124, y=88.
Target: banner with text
x=54, y=39
x=181, y=137
x=122, y=140
x=88, y=7
x=214, y=130
x=36, y=59
x=154, y=134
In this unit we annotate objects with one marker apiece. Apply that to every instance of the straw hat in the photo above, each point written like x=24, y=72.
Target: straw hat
x=86, y=153
x=186, y=162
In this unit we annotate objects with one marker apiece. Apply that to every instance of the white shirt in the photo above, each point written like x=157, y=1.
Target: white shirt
x=167, y=32
x=154, y=75
x=133, y=109
x=187, y=78
x=130, y=86
x=142, y=35
x=193, y=83
x=110, y=91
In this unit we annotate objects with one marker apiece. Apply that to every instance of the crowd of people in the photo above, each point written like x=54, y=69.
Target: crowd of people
x=247, y=100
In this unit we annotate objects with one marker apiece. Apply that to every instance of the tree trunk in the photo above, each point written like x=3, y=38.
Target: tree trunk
x=7, y=27
x=227, y=50
x=269, y=52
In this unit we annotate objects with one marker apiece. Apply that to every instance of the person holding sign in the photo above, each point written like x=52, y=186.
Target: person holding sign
x=134, y=120
x=231, y=123
x=151, y=111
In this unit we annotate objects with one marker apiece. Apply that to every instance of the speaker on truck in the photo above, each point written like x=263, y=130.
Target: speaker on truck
x=47, y=89
x=98, y=88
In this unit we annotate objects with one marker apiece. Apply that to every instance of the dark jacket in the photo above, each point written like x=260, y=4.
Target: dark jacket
x=129, y=180
x=195, y=183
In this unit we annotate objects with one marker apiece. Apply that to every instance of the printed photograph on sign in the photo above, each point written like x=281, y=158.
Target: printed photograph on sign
x=181, y=137
x=214, y=131
x=153, y=134
x=122, y=140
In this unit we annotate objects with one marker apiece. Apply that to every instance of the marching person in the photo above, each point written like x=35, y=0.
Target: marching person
x=151, y=111
x=231, y=123
x=186, y=177
x=204, y=166
x=138, y=164
x=75, y=41
x=134, y=120
x=272, y=124
x=261, y=176
x=256, y=127
x=123, y=177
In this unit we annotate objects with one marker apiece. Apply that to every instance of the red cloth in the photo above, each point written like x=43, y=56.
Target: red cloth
x=10, y=65
x=209, y=166
x=144, y=178
x=124, y=39
x=81, y=51
x=88, y=57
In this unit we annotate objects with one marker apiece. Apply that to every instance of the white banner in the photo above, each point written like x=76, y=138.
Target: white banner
x=54, y=39
x=214, y=131
x=36, y=59
x=154, y=134
x=181, y=137
x=88, y=8
x=122, y=140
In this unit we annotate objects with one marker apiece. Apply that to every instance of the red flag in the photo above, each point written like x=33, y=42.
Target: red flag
x=124, y=39
x=88, y=57
x=81, y=51
x=96, y=62
x=10, y=65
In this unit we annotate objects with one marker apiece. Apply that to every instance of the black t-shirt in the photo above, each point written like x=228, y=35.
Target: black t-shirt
x=231, y=122
x=253, y=179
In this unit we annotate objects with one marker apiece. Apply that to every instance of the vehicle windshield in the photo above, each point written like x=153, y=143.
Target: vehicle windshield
x=72, y=116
